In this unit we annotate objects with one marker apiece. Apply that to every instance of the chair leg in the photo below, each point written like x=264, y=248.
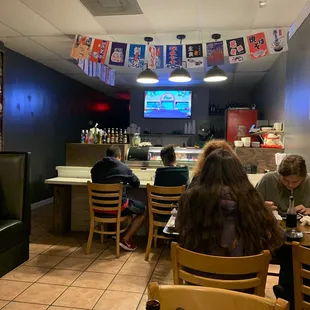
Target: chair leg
x=118, y=236
x=149, y=243
x=101, y=235
x=155, y=238
x=90, y=237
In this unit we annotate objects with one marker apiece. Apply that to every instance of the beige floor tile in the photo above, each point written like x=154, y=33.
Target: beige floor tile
x=24, y=306
x=49, y=239
x=37, y=248
x=163, y=275
x=106, y=266
x=94, y=280
x=113, y=300
x=31, y=256
x=143, y=302
x=138, y=256
x=274, y=269
x=60, y=277
x=132, y=284
x=60, y=250
x=78, y=297
x=140, y=269
x=75, y=263
x=3, y=303
x=271, y=281
x=80, y=252
x=269, y=293
x=44, y=261
x=27, y=274
x=61, y=308
x=41, y=293
x=110, y=253
x=10, y=289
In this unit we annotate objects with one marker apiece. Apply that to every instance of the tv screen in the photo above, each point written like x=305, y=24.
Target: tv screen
x=167, y=104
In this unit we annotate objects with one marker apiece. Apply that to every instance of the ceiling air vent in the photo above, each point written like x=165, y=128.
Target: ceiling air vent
x=112, y=7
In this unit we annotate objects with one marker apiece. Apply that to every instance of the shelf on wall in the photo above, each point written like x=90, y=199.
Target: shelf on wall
x=264, y=132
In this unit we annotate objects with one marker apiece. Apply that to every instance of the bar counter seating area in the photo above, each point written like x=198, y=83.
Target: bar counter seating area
x=154, y=155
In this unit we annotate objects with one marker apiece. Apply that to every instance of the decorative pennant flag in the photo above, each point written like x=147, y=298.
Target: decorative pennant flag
x=277, y=40
x=136, y=57
x=81, y=47
x=236, y=50
x=99, y=51
x=257, y=45
x=215, y=53
x=194, y=55
x=118, y=54
x=174, y=56
x=155, y=57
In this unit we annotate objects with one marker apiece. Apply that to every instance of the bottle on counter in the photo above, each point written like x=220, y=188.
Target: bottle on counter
x=112, y=139
x=291, y=215
x=90, y=138
x=100, y=135
x=120, y=137
x=125, y=138
x=116, y=136
x=104, y=138
x=83, y=136
x=86, y=137
x=152, y=304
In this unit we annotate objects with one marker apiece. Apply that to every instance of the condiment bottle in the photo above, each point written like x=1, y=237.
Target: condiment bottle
x=291, y=216
x=153, y=304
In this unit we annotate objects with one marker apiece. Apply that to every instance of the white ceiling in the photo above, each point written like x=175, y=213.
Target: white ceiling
x=43, y=30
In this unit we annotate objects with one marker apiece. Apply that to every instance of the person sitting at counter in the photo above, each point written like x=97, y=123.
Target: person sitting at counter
x=224, y=215
x=208, y=148
x=111, y=170
x=170, y=174
x=290, y=179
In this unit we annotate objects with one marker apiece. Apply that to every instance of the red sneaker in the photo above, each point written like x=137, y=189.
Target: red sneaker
x=128, y=246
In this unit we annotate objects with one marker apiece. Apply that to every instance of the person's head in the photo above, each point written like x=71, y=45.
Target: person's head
x=167, y=155
x=114, y=151
x=201, y=209
x=293, y=171
x=210, y=147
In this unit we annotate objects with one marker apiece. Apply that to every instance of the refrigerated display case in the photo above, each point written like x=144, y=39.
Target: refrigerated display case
x=150, y=156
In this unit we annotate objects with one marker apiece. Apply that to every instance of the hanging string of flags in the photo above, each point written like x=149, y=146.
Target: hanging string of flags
x=255, y=46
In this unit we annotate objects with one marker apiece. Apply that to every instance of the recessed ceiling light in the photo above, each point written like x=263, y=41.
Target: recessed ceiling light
x=262, y=3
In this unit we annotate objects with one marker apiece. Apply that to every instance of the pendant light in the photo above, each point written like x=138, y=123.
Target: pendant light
x=147, y=76
x=180, y=74
x=215, y=74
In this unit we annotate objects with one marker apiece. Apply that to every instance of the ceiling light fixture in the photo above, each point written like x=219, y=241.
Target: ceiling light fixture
x=147, y=76
x=262, y=3
x=215, y=74
x=180, y=74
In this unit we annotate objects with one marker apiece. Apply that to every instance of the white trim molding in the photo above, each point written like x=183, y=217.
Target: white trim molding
x=299, y=20
x=42, y=203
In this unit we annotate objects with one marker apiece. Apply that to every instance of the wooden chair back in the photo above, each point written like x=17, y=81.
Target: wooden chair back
x=301, y=257
x=173, y=297
x=232, y=273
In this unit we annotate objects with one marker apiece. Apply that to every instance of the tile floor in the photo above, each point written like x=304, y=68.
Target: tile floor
x=59, y=276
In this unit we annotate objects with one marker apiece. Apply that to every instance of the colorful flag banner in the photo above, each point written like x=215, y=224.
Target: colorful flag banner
x=136, y=57
x=156, y=56
x=277, y=40
x=257, y=45
x=99, y=51
x=236, y=50
x=174, y=56
x=81, y=47
x=194, y=55
x=118, y=54
x=215, y=53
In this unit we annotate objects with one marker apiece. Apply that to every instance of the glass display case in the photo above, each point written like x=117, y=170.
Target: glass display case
x=150, y=156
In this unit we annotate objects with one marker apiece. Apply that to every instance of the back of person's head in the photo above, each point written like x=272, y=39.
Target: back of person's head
x=167, y=155
x=201, y=216
x=293, y=165
x=208, y=148
x=114, y=151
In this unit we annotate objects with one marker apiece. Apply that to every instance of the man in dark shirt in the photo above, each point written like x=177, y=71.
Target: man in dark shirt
x=111, y=170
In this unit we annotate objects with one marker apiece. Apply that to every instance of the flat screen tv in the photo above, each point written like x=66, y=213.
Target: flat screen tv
x=167, y=104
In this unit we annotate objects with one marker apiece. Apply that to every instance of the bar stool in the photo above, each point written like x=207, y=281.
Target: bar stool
x=105, y=204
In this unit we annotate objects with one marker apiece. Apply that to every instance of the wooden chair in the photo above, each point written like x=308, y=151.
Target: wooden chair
x=253, y=268
x=173, y=297
x=301, y=256
x=105, y=197
x=160, y=202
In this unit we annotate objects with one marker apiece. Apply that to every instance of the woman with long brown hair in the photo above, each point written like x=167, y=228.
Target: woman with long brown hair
x=224, y=214
x=208, y=148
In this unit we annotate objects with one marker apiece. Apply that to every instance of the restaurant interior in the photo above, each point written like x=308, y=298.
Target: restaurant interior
x=146, y=88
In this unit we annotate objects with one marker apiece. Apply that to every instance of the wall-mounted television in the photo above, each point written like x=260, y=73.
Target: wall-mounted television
x=167, y=104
